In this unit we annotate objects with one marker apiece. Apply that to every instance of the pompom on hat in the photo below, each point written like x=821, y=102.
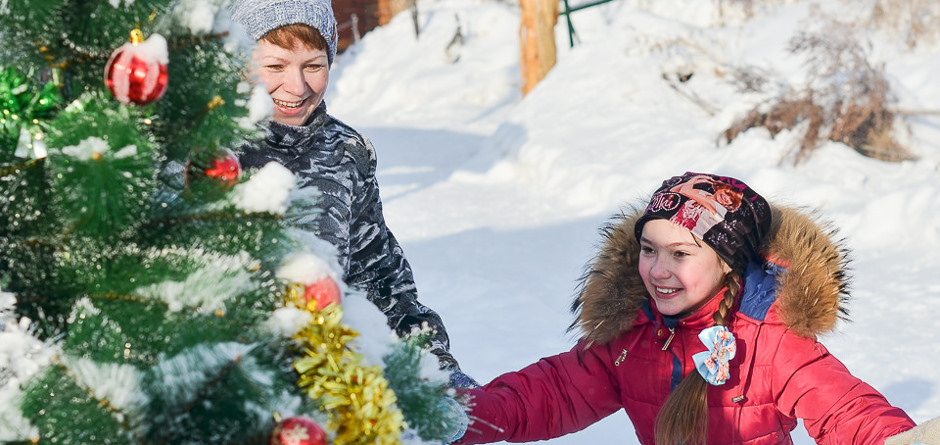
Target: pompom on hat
x=724, y=212
x=260, y=17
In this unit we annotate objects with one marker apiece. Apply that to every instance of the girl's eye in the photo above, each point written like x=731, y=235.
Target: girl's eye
x=680, y=254
x=645, y=250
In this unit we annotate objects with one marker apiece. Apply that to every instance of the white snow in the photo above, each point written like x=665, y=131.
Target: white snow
x=287, y=321
x=304, y=268
x=119, y=384
x=94, y=146
x=218, y=279
x=198, y=15
x=497, y=199
x=153, y=48
x=22, y=356
x=268, y=190
x=259, y=106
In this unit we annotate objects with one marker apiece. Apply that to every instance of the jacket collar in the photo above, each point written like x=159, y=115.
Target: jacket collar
x=699, y=319
x=289, y=137
x=809, y=299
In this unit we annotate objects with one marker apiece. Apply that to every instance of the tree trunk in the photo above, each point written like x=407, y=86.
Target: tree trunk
x=537, y=40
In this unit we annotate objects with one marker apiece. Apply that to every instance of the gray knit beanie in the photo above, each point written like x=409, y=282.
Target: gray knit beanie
x=260, y=17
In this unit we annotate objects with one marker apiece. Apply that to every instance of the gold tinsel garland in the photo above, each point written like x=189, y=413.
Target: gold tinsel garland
x=360, y=406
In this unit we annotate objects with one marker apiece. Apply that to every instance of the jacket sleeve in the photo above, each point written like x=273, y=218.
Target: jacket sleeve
x=836, y=407
x=553, y=397
x=378, y=266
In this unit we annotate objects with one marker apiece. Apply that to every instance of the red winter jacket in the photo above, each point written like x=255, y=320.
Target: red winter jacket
x=627, y=360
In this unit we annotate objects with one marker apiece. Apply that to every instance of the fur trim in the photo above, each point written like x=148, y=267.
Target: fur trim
x=813, y=292
x=611, y=290
x=811, y=295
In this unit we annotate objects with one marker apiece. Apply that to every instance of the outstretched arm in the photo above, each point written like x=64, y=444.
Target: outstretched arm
x=553, y=397
x=836, y=407
x=378, y=266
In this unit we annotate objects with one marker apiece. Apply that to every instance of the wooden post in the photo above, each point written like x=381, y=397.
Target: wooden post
x=414, y=17
x=354, y=22
x=537, y=40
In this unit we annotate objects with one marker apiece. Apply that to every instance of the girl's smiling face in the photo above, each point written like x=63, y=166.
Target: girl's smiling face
x=296, y=79
x=680, y=272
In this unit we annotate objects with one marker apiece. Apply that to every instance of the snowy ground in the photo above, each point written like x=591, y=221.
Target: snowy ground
x=497, y=199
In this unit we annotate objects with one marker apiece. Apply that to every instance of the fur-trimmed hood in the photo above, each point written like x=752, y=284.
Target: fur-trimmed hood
x=811, y=290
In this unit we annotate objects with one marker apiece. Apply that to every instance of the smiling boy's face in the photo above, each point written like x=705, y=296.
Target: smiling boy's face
x=296, y=79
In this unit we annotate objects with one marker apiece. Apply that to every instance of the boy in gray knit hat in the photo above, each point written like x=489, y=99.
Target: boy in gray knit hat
x=259, y=17
x=296, y=45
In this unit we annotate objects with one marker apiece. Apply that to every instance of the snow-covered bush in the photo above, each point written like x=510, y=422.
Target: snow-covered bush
x=845, y=98
x=913, y=21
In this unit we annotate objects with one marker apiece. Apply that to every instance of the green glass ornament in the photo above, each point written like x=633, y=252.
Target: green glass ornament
x=25, y=110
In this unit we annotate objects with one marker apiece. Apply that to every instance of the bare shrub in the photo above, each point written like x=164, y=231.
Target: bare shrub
x=845, y=99
x=748, y=7
x=914, y=21
x=750, y=79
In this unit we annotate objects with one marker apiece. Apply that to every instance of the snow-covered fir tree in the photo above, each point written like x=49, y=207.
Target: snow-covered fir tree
x=150, y=291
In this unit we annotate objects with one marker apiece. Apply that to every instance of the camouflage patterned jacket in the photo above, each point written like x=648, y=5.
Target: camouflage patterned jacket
x=339, y=162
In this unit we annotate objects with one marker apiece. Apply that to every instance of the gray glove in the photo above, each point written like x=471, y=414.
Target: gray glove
x=459, y=415
x=927, y=433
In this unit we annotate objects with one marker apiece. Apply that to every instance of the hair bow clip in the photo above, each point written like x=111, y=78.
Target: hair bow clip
x=713, y=363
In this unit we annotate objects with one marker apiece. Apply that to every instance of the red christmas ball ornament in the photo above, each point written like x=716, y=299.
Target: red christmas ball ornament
x=136, y=72
x=324, y=291
x=225, y=168
x=297, y=431
x=220, y=164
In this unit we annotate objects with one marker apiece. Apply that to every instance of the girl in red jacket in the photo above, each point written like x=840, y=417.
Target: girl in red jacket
x=699, y=318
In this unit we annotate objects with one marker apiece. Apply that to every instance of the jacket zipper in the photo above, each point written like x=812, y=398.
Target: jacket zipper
x=672, y=333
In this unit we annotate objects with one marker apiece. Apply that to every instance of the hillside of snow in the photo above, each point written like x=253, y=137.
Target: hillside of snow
x=497, y=198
